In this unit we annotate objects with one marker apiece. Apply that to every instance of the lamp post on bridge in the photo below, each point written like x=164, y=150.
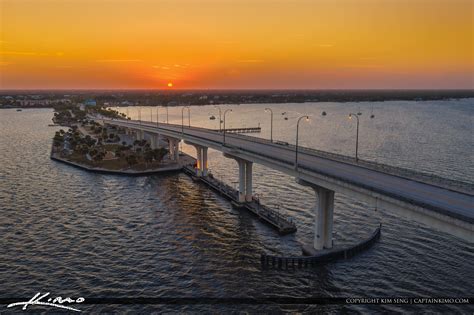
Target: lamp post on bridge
x=271, y=123
x=182, y=117
x=357, y=134
x=297, y=135
x=225, y=112
x=140, y=114
x=220, y=117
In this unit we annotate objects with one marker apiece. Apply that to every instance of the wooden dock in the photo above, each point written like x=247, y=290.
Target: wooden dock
x=272, y=217
x=241, y=130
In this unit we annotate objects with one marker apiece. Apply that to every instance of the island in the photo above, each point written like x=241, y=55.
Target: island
x=89, y=145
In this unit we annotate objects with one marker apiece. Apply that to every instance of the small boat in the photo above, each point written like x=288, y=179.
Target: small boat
x=323, y=113
x=19, y=110
x=212, y=117
x=286, y=118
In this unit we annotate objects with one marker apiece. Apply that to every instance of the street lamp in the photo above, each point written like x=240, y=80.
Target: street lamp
x=151, y=114
x=167, y=121
x=357, y=134
x=220, y=117
x=140, y=114
x=297, y=135
x=225, y=112
x=182, y=118
x=271, y=123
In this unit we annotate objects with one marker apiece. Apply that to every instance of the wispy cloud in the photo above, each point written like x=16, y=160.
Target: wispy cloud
x=18, y=53
x=118, y=60
x=251, y=61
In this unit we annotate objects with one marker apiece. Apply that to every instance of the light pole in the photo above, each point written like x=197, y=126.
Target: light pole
x=357, y=134
x=167, y=121
x=271, y=123
x=297, y=135
x=151, y=114
x=140, y=114
x=182, y=118
x=220, y=117
x=225, y=112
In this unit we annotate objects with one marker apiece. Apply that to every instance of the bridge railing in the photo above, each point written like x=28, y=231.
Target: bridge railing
x=393, y=170
x=431, y=179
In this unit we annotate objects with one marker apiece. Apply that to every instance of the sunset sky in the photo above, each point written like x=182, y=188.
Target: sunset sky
x=238, y=44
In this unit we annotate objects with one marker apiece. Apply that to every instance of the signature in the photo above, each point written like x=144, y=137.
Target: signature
x=58, y=302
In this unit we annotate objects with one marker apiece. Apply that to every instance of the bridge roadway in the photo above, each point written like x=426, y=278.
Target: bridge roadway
x=444, y=209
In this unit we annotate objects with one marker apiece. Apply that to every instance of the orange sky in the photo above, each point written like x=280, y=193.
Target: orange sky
x=314, y=44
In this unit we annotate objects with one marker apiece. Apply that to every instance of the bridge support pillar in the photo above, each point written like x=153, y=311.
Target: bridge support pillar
x=198, y=161
x=154, y=141
x=245, y=178
x=176, y=150
x=248, y=181
x=173, y=146
x=241, y=180
x=140, y=135
x=204, y=161
x=201, y=159
x=323, y=225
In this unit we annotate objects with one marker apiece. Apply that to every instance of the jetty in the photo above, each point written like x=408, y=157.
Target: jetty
x=241, y=130
x=284, y=225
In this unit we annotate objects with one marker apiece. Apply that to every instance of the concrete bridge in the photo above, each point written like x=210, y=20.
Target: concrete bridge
x=441, y=206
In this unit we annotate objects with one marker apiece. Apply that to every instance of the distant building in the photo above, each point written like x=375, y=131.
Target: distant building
x=90, y=102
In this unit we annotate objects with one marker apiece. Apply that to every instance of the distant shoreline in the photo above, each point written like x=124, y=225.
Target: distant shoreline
x=129, y=98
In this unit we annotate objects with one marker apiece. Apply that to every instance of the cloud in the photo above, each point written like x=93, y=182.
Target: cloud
x=18, y=53
x=251, y=61
x=119, y=60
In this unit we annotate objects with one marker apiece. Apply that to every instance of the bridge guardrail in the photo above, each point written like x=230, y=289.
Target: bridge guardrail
x=436, y=180
x=450, y=184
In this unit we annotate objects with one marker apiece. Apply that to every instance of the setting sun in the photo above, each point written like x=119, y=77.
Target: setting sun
x=170, y=84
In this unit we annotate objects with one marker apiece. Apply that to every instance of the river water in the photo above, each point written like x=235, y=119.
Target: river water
x=74, y=233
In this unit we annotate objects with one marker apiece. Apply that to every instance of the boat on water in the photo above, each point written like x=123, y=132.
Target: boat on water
x=212, y=117
x=19, y=110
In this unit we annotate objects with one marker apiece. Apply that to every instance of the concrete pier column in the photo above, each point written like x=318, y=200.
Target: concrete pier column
x=158, y=141
x=198, y=161
x=323, y=225
x=324, y=218
x=153, y=141
x=245, y=178
x=204, y=161
x=241, y=180
x=248, y=181
x=172, y=149
x=176, y=150
x=201, y=159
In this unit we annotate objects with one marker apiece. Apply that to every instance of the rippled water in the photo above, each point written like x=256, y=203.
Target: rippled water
x=76, y=233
